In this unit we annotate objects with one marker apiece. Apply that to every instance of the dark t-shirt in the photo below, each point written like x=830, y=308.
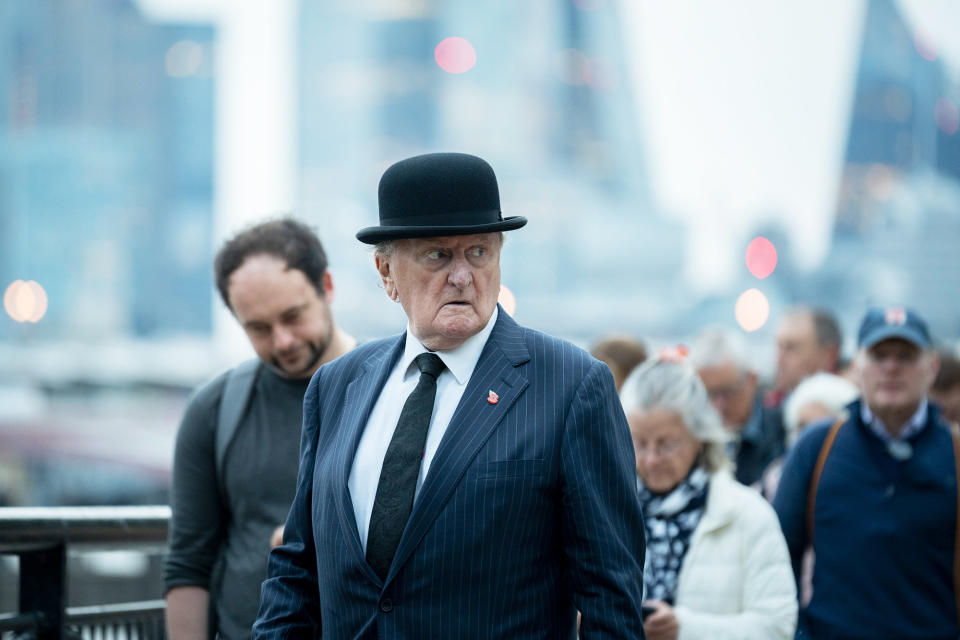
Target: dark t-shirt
x=221, y=542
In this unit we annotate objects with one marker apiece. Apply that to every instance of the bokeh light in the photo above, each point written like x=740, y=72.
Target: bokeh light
x=761, y=257
x=507, y=300
x=184, y=59
x=947, y=116
x=455, y=55
x=25, y=301
x=752, y=310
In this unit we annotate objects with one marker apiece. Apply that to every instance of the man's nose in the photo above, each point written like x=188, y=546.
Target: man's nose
x=283, y=338
x=461, y=275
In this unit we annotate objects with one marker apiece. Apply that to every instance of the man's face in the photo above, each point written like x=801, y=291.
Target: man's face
x=448, y=286
x=731, y=392
x=798, y=353
x=895, y=375
x=288, y=323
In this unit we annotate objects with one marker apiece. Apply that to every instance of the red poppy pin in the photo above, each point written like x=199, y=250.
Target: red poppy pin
x=492, y=397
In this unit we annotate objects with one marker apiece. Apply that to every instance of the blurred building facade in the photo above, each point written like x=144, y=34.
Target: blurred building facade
x=106, y=162
x=547, y=103
x=897, y=228
x=106, y=168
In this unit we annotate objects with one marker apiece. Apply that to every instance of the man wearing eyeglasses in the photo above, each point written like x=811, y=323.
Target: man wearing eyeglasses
x=720, y=360
x=875, y=496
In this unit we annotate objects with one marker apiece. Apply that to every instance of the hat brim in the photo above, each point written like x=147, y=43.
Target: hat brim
x=373, y=235
x=896, y=332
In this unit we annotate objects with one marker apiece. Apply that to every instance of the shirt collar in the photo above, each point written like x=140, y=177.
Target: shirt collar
x=913, y=426
x=460, y=361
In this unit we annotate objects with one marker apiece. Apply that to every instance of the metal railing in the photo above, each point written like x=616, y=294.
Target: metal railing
x=40, y=536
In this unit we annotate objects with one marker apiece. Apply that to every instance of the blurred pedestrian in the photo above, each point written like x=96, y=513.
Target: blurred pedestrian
x=945, y=392
x=808, y=340
x=235, y=463
x=821, y=396
x=875, y=494
x=717, y=565
x=621, y=353
x=732, y=385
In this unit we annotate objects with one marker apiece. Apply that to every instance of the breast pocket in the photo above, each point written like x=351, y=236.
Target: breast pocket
x=509, y=469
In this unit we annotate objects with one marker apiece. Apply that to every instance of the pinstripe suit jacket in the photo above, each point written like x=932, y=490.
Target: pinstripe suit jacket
x=528, y=513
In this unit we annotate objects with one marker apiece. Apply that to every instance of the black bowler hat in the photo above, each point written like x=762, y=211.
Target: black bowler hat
x=438, y=194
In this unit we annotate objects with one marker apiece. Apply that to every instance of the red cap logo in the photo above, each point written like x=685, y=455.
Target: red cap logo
x=895, y=315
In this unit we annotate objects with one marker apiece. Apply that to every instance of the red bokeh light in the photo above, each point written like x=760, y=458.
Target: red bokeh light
x=455, y=55
x=761, y=257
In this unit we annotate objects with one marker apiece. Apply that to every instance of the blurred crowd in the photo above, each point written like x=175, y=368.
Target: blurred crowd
x=804, y=505
x=856, y=450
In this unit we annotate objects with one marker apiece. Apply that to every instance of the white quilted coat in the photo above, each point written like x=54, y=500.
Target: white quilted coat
x=736, y=580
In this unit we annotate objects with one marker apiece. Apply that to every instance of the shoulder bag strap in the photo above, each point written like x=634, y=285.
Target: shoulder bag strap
x=817, y=470
x=233, y=402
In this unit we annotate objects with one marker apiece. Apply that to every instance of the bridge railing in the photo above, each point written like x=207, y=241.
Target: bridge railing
x=42, y=536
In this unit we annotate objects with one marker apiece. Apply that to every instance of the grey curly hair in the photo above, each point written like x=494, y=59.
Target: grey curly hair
x=675, y=386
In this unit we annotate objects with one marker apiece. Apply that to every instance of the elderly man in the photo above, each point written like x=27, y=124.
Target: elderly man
x=808, y=340
x=470, y=478
x=232, y=474
x=720, y=359
x=875, y=495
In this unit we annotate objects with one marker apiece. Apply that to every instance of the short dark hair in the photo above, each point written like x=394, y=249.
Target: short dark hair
x=949, y=374
x=621, y=353
x=286, y=238
x=826, y=328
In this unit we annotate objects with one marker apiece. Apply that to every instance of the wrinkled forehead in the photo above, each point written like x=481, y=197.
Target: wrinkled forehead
x=797, y=325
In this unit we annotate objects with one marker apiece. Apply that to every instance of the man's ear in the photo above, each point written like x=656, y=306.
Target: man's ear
x=326, y=285
x=382, y=263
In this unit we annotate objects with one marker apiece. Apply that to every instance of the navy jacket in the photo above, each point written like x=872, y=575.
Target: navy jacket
x=528, y=513
x=762, y=440
x=883, y=532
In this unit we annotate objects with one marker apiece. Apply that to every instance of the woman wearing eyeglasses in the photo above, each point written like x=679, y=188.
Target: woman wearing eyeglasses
x=717, y=565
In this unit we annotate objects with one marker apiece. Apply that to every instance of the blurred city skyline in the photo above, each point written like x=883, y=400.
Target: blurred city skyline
x=647, y=142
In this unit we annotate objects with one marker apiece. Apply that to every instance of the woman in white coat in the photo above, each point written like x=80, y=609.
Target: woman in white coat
x=717, y=565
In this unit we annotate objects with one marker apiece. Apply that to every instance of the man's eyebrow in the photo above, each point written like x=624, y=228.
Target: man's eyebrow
x=296, y=307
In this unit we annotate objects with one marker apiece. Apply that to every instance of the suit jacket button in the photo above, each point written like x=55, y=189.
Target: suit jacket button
x=386, y=605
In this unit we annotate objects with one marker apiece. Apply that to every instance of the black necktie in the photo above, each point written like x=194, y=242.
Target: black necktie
x=401, y=468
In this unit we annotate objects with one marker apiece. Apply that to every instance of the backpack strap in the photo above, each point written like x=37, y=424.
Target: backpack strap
x=817, y=470
x=955, y=436
x=233, y=403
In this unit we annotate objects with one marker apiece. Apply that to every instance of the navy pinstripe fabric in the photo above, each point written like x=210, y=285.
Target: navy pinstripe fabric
x=528, y=514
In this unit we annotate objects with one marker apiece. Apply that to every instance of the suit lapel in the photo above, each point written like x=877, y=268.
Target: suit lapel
x=359, y=399
x=471, y=425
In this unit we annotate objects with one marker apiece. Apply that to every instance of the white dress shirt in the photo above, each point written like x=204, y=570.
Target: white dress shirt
x=368, y=462
x=898, y=447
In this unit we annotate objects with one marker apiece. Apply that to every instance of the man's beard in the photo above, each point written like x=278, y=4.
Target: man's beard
x=317, y=349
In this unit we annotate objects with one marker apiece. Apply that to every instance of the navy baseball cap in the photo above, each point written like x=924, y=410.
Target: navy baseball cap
x=893, y=322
